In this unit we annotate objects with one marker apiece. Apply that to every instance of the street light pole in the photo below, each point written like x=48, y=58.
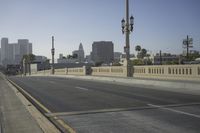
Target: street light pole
x=127, y=32
x=52, y=53
x=127, y=28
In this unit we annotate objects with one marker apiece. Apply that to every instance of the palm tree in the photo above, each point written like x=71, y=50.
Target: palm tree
x=28, y=60
x=138, y=49
x=143, y=52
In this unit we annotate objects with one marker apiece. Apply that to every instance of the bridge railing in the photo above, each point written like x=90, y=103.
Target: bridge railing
x=116, y=71
x=169, y=72
x=63, y=71
x=76, y=71
x=179, y=72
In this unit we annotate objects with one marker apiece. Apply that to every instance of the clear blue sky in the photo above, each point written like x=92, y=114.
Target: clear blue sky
x=159, y=24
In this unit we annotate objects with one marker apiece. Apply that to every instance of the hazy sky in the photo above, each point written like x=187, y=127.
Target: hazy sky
x=159, y=24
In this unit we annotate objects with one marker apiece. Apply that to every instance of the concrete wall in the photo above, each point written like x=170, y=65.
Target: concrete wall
x=33, y=68
x=117, y=71
x=43, y=72
x=173, y=72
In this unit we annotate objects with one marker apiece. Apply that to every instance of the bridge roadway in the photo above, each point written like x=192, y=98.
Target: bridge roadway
x=97, y=107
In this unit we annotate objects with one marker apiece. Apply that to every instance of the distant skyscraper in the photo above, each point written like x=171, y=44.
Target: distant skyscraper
x=0, y=57
x=80, y=53
x=103, y=51
x=4, y=51
x=12, y=53
x=25, y=47
x=117, y=56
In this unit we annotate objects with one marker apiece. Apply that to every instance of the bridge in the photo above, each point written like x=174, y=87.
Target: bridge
x=156, y=99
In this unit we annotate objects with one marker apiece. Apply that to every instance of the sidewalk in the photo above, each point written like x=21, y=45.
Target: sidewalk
x=15, y=116
x=187, y=87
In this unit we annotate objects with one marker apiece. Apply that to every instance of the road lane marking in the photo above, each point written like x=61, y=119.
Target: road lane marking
x=149, y=106
x=61, y=122
x=96, y=111
x=174, y=110
x=81, y=88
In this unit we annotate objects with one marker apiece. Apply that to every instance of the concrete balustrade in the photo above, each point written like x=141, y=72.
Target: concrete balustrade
x=77, y=71
x=177, y=72
x=117, y=71
x=62, y=71
x=169, y=72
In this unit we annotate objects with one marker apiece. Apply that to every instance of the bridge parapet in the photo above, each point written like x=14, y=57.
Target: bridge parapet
x=116, y=71
x=179, y=72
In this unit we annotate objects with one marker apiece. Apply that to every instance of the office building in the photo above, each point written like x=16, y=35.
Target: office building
x=103, y=52
x=80, y=53
x=0, y=56
x=165, y=58
x=12, y=53
x=78, y=56
x=4, y=51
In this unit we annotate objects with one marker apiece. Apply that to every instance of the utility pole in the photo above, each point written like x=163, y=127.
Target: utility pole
x=160, y=57
x=187, y=43
x=127, y=28
x=24, y=66
x=52, y=53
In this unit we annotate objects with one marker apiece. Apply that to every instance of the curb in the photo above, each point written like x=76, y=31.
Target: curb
x=58, y=123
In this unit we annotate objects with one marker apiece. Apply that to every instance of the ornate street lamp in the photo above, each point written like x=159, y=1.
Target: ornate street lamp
x=127, y=28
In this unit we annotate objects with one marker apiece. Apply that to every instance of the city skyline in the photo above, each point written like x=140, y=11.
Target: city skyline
x=71, y=22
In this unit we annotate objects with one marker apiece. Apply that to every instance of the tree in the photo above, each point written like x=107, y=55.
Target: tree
x=138, y=48
x=137, y=62
x=28, y=60
x=143, y=52
x=97, y=64
x=193, y=56
x=74, y=56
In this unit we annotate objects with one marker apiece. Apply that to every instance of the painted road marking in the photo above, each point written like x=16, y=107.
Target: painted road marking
x=61, y=122
x=81, y=88
x=174, y=110
x=150, y=106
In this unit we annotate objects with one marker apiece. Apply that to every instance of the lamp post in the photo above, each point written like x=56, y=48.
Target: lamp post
x=24, y=66
x=127, y=28
x=52, y=53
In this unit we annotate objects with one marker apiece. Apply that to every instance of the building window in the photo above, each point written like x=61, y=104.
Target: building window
x=183, y=71
x=190, y=71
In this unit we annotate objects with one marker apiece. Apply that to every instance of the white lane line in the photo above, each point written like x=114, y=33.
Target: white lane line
x=176, y=111
x=81, y=88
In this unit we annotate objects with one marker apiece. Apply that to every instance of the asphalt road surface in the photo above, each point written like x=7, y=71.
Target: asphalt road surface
x=97, y=107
